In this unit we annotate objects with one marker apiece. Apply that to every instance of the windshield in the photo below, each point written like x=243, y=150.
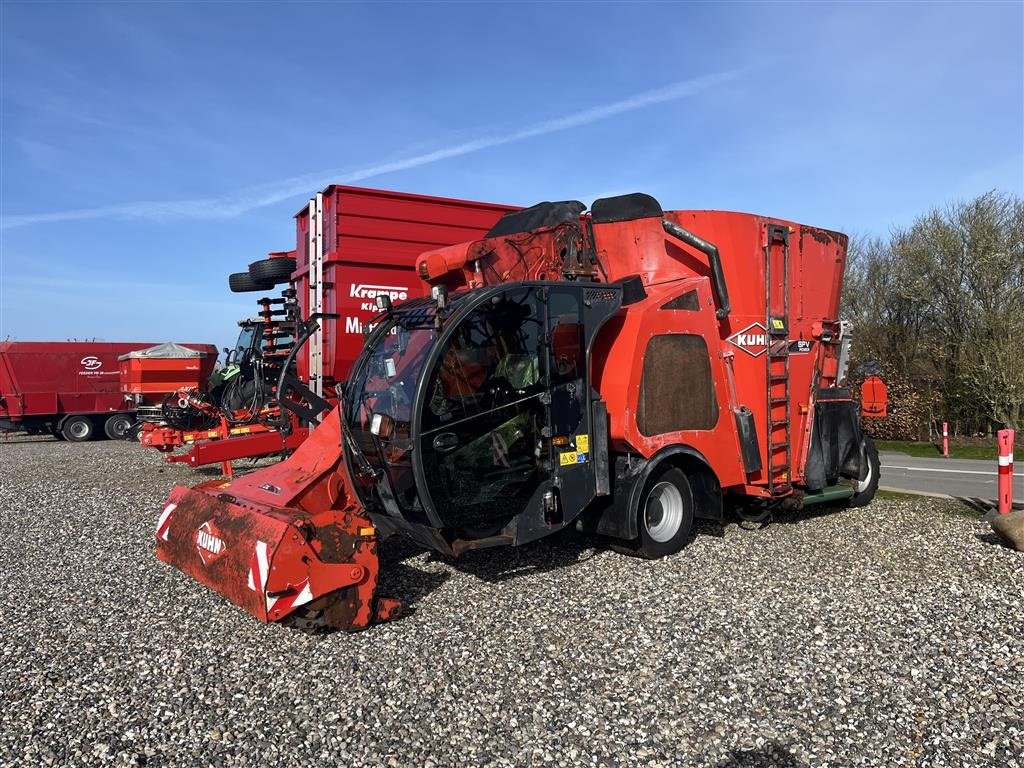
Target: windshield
x=385, y=384
x=244, y=343
x=386, y=380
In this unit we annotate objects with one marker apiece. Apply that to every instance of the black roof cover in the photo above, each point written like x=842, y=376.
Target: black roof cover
x=536, y=217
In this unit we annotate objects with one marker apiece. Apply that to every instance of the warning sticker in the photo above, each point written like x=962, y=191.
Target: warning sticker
x=583, y=443
x=572, y=457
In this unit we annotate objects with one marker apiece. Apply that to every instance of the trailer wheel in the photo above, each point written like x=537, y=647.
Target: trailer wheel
x=665, y=513
x=77, y=429
x=864, y=490
x=242, y=282
x=117, y=426
x=272, y=271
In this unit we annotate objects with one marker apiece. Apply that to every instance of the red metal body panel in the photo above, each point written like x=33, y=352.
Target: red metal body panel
x=55, y=378
x=736, y=345
x=281, y=538
x=815, y=264
x=372, y=239
x=874, y=398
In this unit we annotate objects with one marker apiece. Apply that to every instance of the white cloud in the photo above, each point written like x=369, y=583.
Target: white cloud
x=236, y=204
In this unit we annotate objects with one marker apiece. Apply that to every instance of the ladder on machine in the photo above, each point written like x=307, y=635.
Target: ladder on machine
x=780, y=450
x=315, y=301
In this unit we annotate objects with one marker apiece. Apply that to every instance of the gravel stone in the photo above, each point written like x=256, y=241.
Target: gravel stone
x=888, y=635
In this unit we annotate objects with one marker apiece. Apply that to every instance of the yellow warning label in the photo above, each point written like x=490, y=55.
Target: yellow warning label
x=569, y=458
x=777, y=323
x=583, y=443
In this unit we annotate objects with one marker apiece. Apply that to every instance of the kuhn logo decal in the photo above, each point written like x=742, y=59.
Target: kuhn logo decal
x=91, y=362
x=753, y=339
x=396, y=292
x=209, y=542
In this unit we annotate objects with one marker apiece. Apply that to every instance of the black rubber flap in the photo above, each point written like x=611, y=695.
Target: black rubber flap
x=835, y=449
x=625, y=208
x=538, y=216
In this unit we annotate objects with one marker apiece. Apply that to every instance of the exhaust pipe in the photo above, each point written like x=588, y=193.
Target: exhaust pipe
x=711, y=251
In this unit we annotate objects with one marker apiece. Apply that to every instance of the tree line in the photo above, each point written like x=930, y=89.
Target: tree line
x=938, y=311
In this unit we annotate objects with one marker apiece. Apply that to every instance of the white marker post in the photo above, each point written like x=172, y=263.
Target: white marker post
x=1004, y=439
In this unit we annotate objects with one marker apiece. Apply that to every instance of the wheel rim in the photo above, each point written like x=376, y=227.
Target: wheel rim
x=862, y=485
x=78, y=429
x=663, y=513
x=120, y=427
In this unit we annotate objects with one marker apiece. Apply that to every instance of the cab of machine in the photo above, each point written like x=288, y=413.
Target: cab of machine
x=476, y=421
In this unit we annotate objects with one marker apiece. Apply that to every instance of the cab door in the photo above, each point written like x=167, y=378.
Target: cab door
x=483, y=414
x=506, y=429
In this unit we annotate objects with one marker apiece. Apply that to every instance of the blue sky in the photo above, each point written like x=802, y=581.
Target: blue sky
x=150, y=149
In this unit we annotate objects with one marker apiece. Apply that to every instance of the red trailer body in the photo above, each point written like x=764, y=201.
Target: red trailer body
x=353, y=243
x=45, y=385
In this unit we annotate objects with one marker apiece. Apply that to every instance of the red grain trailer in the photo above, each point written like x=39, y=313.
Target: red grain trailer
x=70, y=389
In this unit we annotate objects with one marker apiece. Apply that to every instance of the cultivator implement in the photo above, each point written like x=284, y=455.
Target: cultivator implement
x=288, y=543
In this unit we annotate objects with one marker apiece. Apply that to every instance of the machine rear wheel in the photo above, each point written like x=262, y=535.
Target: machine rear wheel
x=272, y=271
x=864, y=490
x=117, y=426
x=665, y=513
x=77, y=429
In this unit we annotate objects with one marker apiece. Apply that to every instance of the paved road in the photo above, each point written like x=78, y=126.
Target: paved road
x=966, y=478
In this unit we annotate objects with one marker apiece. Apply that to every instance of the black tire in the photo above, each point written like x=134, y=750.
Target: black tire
x=274, y=271
x=118, y=426
x=665, y=513
x=242, y=282
x=77, y=429
x=134, y=433
x=866, y=488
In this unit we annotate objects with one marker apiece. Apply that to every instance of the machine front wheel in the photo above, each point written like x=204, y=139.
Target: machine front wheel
x=864, y=490
x=77, y=429
x=117, y=426
x=665, y=513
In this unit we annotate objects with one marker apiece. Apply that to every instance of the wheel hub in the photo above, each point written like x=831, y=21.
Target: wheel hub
x=663, y=513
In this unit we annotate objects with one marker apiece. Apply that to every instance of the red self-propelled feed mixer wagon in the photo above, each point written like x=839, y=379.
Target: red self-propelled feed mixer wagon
x=621, y=370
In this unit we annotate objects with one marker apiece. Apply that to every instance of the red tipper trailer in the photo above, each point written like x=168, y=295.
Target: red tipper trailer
x=69, y=389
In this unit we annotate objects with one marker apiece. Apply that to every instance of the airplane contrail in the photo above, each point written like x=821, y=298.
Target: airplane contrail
x=229, y=206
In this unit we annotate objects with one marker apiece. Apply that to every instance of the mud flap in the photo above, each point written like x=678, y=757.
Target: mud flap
x=272, y=561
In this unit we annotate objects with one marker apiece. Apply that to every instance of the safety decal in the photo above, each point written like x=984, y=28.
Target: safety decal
x=583, y=443
x=164, y=523
x=568, y=458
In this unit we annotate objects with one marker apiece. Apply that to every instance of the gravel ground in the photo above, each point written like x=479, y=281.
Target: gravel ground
x=891, y=635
